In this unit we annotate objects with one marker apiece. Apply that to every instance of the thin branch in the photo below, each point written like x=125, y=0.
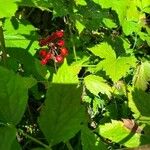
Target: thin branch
x=34, y=139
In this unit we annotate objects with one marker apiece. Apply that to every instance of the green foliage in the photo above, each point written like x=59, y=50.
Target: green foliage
x=7, y=138
x=96, y=85
x=105, y=76
x=112, y=65
x=66, y=75
x=91, y=140
x=139, y=102
x=13, y=95
x=142, y=76
x=4, y=12
x=62, y=115
x=122, y=134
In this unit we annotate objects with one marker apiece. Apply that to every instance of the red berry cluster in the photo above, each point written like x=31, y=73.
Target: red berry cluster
x=56, y=49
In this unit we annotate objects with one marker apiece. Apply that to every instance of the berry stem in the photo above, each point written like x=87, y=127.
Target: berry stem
x=2, y=45
x=55, y=66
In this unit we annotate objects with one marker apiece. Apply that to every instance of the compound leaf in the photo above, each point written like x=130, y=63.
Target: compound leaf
x=96, y=85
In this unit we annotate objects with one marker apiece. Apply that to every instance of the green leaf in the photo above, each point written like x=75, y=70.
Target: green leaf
x=13, y=96
x=109, y=23
x=103, y=50
x=115, y=68
x=80, y=2
x=117, y=132
x=144, y=37
x=15, y=145
x=20, y=35
x=79, y=26
x=41, y=4
x=142, y=76
x=139, y=103
x=127, y=12
x=144, y=5
x=91, y=141
x=29, y=81
x=96, y=85
x=8, y=8
x=118, y=68
x=30, y=65
x=130, y=26
x=62, y=114
x=65, y=74
x=7, y=137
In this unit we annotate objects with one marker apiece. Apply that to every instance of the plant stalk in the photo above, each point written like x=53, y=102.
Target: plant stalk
x=2, y=45
x=34, y=139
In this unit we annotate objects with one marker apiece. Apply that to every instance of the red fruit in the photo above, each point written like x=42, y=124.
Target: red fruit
x=61, y=43
x=44, y=61
x=59, y=58
x=59, y=34
x=43, y=53
x=51, y=38
x=64, y=51
x=48, y=56
x=43, y=42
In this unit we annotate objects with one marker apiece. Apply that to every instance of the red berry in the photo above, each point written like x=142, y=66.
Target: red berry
x=48, y=56
x=44, y=61
x=43, y=42
x=59, y=58
x=43, y=53
x=51, y=38
x=59, y=34
x=61, y=43
x=64, y=51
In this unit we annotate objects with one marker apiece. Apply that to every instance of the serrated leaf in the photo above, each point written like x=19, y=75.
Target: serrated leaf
x=13, y=96
x=65, y=74
x=10, y=10
x=62, y=114
x=7, y=137
x=96, y=85
x=91, y=141
x=131, y=26
x=103, y=50
x=117, y=132
x=116, y=68
x=142, y=76
x=139, y=102
x=79, y=26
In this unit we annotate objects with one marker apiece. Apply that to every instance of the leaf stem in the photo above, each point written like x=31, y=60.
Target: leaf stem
x=69, y=146
x=2, y=45
x=34, y=139
x=72, y=40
